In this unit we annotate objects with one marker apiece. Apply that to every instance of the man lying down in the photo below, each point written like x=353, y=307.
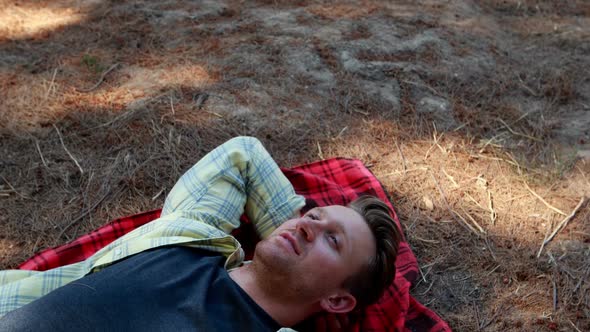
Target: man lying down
x=185, y=272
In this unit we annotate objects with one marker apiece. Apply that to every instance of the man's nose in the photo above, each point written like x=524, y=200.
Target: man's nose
x=306, y=228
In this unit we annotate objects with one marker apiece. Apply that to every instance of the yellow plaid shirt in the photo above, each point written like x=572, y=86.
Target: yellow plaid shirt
x=202, y=209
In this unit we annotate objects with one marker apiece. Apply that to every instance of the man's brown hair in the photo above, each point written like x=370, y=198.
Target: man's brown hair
x=368, y=284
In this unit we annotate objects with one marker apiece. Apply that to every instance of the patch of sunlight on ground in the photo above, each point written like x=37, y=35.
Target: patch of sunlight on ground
x=23, y=21
x=141, y=79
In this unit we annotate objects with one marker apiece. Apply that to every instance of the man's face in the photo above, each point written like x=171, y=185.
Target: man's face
x=318, y=251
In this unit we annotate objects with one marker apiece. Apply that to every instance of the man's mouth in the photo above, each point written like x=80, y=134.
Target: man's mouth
x=293, y=241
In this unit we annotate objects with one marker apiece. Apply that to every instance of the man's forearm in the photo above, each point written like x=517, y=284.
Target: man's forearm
x=238, y=176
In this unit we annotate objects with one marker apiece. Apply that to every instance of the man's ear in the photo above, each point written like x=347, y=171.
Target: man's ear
x=339, y=303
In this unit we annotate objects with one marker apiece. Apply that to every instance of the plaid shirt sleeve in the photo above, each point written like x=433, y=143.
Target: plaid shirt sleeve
x=238, y=176
x=200, y=211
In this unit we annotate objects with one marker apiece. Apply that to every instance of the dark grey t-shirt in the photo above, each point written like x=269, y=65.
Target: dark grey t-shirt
x=164, y=289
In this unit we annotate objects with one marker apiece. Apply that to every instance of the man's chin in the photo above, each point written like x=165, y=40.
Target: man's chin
x=273, y=257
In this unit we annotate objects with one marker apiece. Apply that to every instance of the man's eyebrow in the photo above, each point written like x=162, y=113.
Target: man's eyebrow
x=320, y=210
x=338, y=224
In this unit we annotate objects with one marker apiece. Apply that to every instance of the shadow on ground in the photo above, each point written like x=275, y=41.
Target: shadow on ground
x=464, y=110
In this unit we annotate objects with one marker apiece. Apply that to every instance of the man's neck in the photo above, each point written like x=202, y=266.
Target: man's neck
x=271, y=297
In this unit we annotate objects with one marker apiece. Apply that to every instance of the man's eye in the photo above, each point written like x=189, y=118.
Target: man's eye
x=334, y=240
x=313, y=216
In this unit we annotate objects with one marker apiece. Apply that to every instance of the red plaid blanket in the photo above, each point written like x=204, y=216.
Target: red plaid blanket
x=328, y=182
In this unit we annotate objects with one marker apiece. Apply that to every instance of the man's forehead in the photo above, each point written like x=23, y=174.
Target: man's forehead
x=353, y=225
x=346, y=218
x=340, y=210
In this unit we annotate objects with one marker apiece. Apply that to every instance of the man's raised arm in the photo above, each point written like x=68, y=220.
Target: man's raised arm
x=237, y=176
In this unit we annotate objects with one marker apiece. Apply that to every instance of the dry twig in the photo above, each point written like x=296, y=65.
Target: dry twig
x=455, y=215
x=11, y=187
x=158, y=194
x=544, y=201
x=474, y=201
x=215, y=113
x=40, y=154
x=526, y=87
x=51, y=84
x=360, y=112
x=477, y=316
x=493, y=214
x=200, y=99
x=511, y=162
x=100, y=80
x=428, y=289
x=490, y=248
x=464, y=221
x=424, y=86
x=554, y=294
x=485, y=324
x=401, y=155
x=562, y=224
x=435, y=138
x=425, y=240
x=583, y=175
x=489, y=142
x=574, y=325
x=340, y=133
x=584, y=278
x=67, y=151
x=83, y=214
x=320, y=154
x=473, y=221
x=406, y=171
x=172, y=105
x=451, y=179
x=484, y=185
x=517, y=133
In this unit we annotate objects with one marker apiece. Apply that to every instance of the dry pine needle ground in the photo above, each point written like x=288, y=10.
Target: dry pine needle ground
x=474, y=116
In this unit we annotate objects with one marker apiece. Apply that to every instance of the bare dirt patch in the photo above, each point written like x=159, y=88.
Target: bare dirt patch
x=474, y=115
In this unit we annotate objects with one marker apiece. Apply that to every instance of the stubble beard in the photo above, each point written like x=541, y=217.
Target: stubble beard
x=277, y=273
